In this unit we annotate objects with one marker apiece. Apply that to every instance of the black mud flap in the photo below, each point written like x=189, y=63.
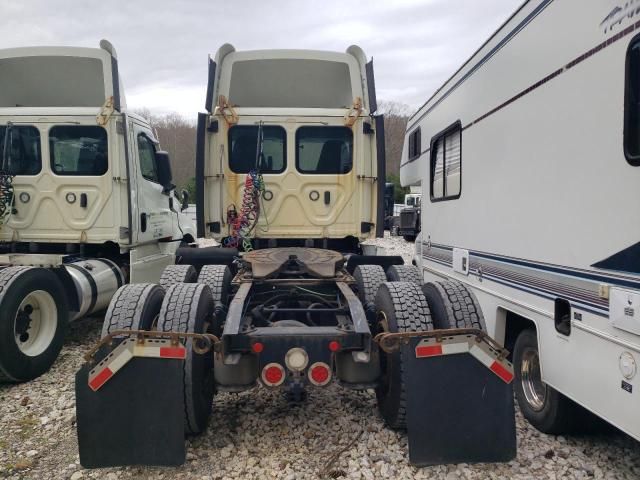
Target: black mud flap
x=458, y=411
x=134, y=418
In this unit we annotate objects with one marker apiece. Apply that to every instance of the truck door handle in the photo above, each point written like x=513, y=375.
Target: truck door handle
x=83, y=200
x=327, y=197
x=143, y=222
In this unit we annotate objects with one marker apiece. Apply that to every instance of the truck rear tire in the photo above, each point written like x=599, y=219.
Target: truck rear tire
x=173, y=274
x=404, y=309
x=404, y=273
x=188, y=308
x=33, y=322
x=133, y=307
x=545, y=408
x=453, y=305
x=218, y=278
x=368, y=279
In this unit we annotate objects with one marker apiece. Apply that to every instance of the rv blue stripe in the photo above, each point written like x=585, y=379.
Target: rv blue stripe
x=531, y=290
x=626, y=282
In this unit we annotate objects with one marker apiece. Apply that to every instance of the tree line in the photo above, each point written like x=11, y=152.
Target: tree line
x=177, y=135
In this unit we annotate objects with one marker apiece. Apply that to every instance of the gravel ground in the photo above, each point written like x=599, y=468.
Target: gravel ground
x=257, y=435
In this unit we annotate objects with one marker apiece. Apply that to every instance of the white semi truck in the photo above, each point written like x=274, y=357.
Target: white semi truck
x=86, y=199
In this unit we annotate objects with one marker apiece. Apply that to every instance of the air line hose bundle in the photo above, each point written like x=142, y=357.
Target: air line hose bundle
x=243, y=223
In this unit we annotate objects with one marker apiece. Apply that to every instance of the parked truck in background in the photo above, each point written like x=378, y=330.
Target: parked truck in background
x=409, y=223
x=86, y=199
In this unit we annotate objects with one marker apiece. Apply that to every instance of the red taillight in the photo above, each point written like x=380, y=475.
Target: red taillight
x=334, y=346
x=273, y=375
x=319, y=374
x=257, y=347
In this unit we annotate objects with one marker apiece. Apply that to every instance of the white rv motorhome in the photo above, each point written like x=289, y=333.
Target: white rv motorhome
x=86, y=199
x=529, y=160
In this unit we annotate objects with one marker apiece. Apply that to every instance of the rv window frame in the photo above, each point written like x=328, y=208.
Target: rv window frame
x=455, y=126
x=416, y=133
x=633, y=160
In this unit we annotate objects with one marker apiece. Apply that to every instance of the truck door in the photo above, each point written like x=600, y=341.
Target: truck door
x=150, y=203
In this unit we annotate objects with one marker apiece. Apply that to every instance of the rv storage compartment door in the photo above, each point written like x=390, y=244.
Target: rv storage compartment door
x=624, y=310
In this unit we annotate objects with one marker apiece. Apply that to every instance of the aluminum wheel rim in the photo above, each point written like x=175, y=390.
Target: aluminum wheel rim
x=43, y=323
x=534, y=389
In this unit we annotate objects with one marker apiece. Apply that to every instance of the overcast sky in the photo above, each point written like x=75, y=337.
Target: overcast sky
x=163, y=46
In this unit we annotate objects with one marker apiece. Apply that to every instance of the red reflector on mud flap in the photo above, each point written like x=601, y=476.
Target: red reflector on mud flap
x=465, y=343
x=502, y=372
x=128, y=349
x=423, y=351
x=96, y=382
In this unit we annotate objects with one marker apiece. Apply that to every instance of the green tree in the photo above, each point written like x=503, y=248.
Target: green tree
x=398, y=190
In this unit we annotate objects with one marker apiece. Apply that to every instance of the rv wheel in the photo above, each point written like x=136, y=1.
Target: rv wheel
x=401, y=307
x=218, y=278
x=173, y=274
x=188, y=308
x=33, y=321
x=545, y=408
x=453, y=305
x=368, y=279
x=133, y=307
x=404, y=273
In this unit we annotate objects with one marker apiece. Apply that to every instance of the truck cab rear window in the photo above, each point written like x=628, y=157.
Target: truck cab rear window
x=243, y=149
x=324, y=150
x=22, y=155
x=78, y=150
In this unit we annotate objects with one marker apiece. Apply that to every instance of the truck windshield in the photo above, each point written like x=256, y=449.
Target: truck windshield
x=78, y=150
x=324, y=150
x=22, y=156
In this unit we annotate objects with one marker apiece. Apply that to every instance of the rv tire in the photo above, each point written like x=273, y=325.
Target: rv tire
x=545, y=408
x=188, y=308
x=401, y=307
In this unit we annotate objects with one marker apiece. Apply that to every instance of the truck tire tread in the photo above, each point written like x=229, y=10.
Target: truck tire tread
x=453, y=305
x=173, y=274
x=133, y=307
x=404, y=273
x=407, y=310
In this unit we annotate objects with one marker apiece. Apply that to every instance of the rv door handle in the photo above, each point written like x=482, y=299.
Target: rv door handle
x=327, y=197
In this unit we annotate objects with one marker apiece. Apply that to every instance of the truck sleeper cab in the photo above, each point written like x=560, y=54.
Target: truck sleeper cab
x=86, y=197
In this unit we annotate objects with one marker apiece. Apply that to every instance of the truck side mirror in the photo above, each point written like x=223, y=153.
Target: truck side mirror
x=165, y=177
x=185, y=200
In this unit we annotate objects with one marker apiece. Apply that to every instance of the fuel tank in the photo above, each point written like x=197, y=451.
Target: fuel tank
x=96, y=281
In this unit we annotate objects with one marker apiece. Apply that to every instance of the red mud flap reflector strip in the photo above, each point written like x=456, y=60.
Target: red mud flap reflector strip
x=481, y=351
x=129, y=348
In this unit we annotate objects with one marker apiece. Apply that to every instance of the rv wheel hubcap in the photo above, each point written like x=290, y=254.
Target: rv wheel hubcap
x=35, y=323
x=535, y=390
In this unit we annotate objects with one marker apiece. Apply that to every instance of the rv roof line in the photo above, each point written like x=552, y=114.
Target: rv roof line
x=469, y=59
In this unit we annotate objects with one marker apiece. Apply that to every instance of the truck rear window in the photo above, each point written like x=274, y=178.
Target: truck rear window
x=324, y=150
x=78, y=150
x=243, y=149
x=22, y=155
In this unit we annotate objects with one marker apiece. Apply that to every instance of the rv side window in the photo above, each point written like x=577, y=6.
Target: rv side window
x=414, y=144
x=147, y=157
x=243, y=149
x=446, y=164
x=78, y=150
x=324, y=150
x=632, y=104
x=22, y=156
